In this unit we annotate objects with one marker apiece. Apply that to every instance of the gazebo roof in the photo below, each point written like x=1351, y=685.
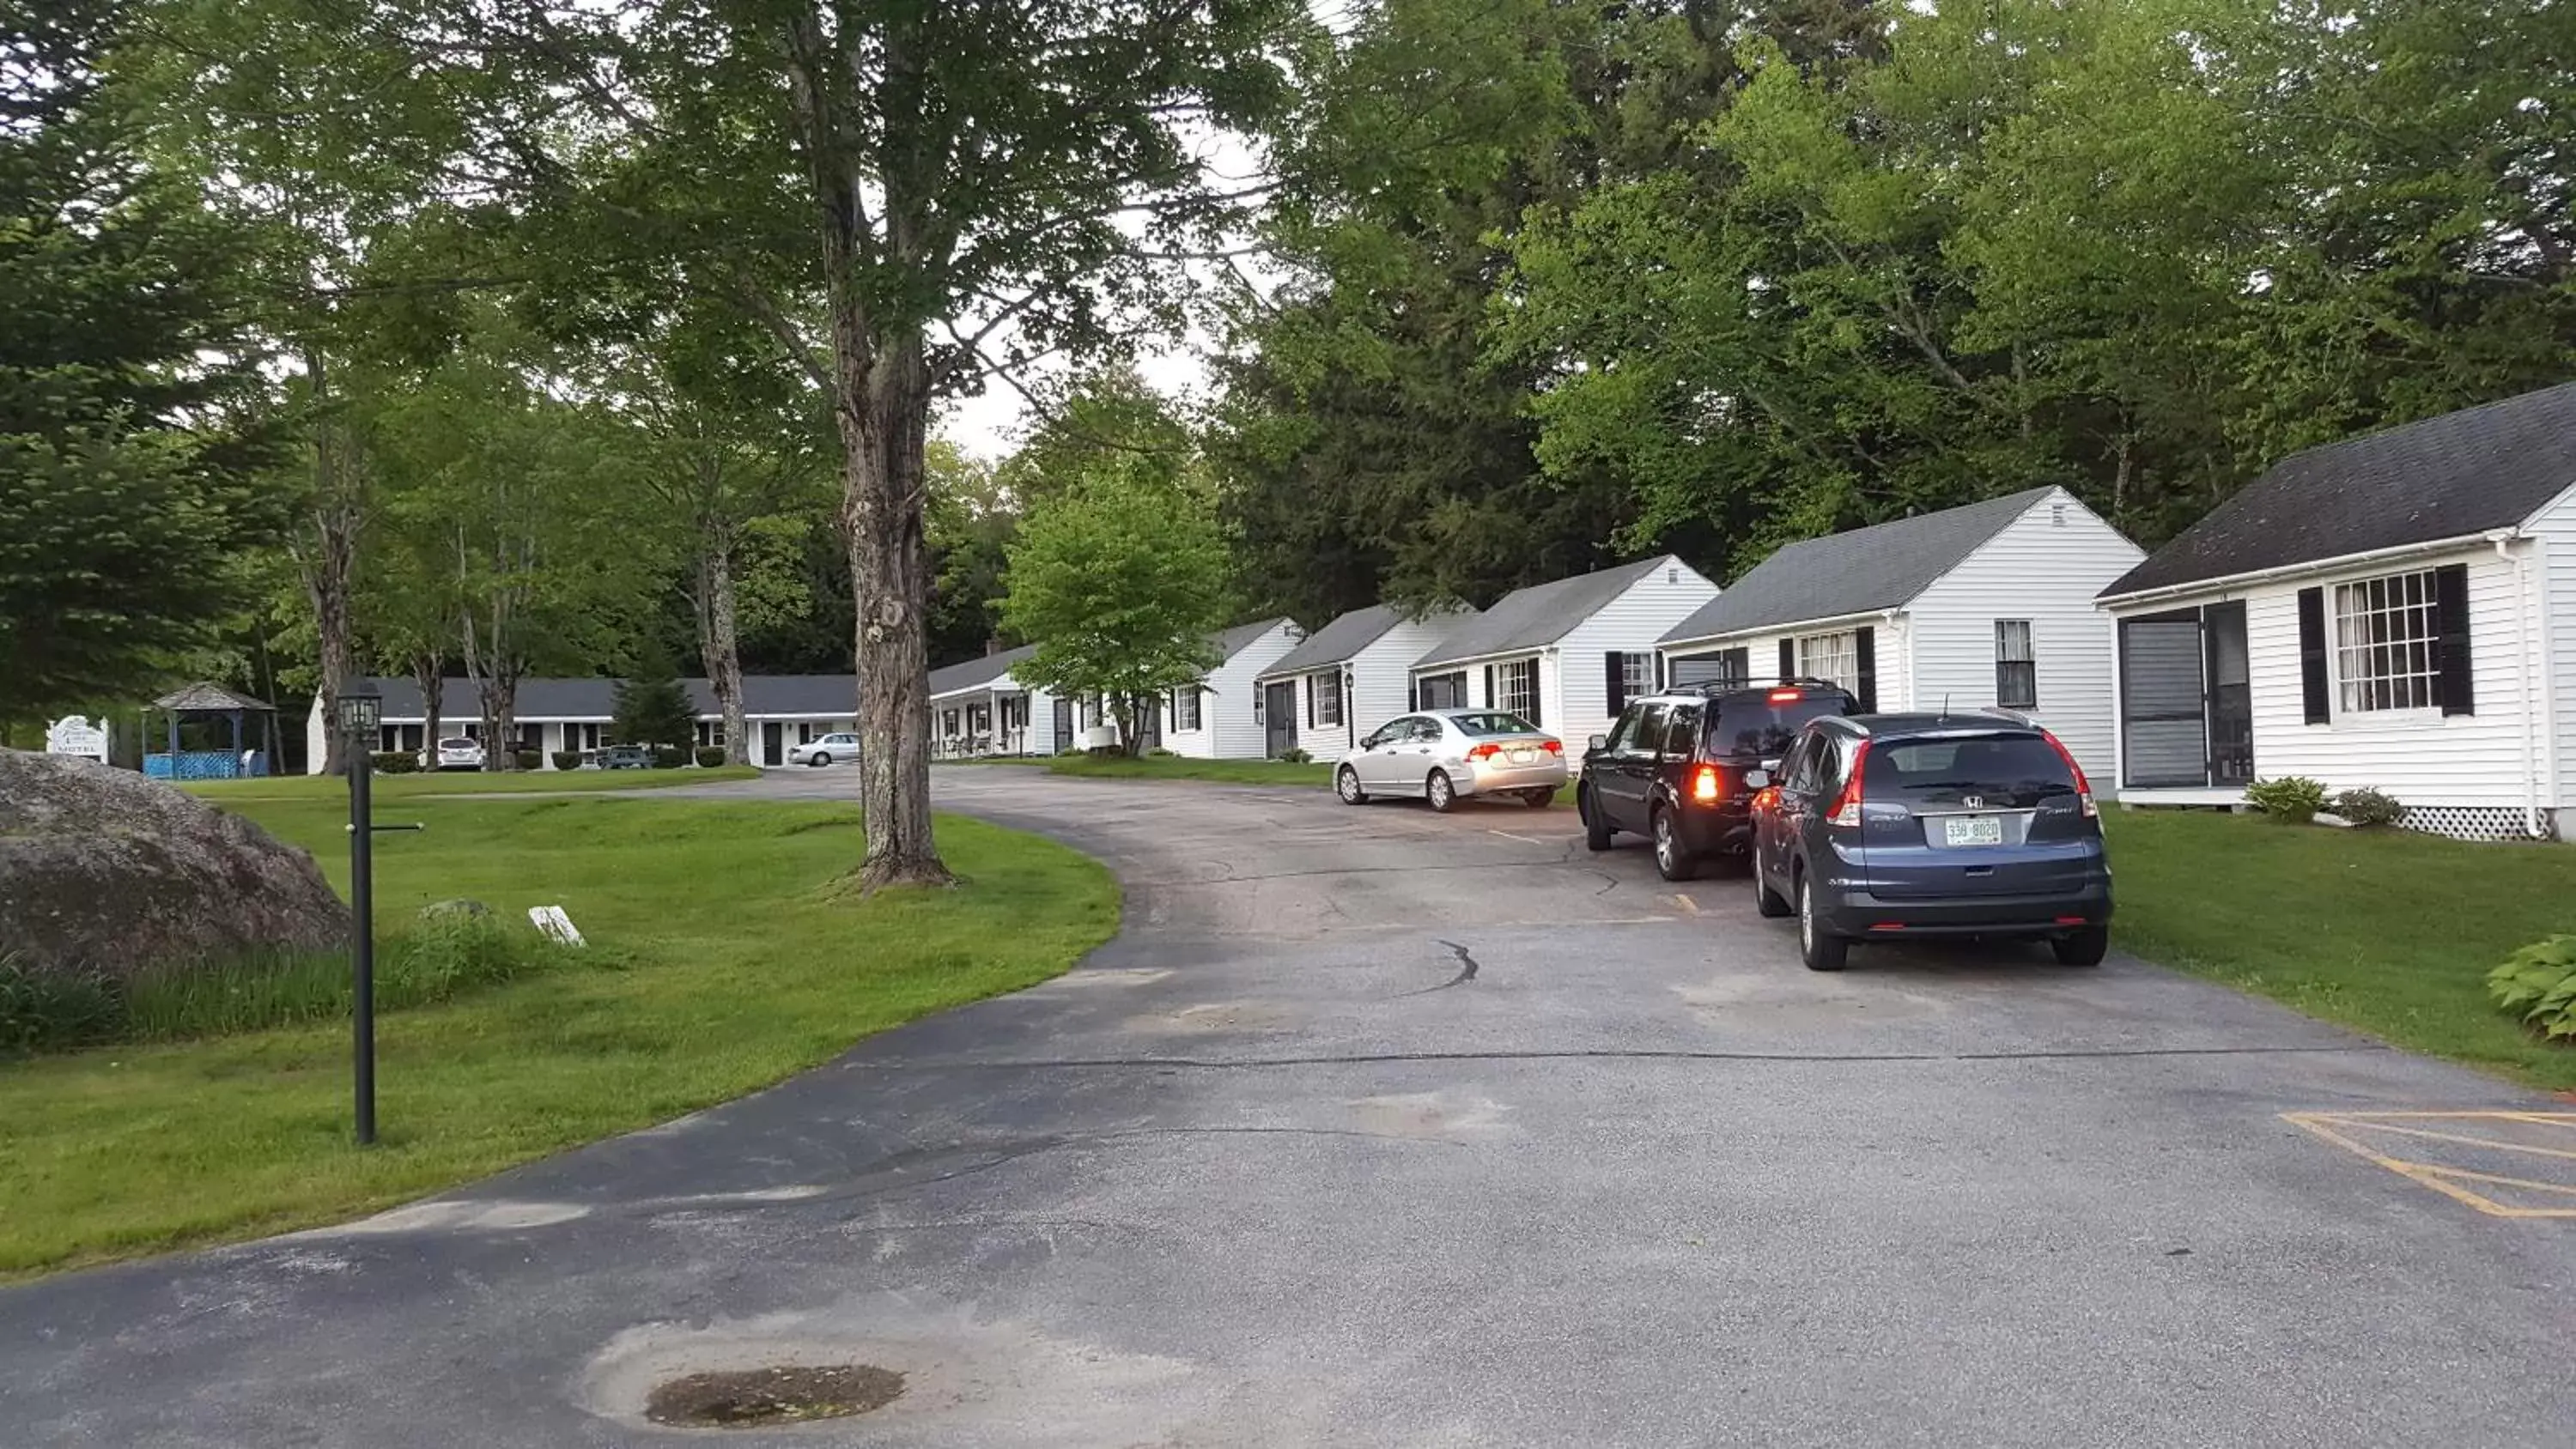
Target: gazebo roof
x=207, y=698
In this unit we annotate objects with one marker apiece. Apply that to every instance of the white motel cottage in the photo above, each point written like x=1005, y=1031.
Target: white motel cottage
x=781, y=710
x=2395, y=611
x=1564, y=655
x=1347, y=678
x=1222, y=718
x=978, y=708
x=1980, y=606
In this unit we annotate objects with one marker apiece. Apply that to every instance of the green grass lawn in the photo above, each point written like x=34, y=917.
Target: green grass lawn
x=725, y=957
x=2387, y=931
x=460, y=782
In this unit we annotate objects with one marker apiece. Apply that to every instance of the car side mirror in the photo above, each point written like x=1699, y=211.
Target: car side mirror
x=1757, y=778
x=1771, y=766
x=1596, y=744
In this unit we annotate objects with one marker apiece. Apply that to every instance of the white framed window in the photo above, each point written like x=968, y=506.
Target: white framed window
x=1834, y=658
x=1636, y=675
x=1260, y=704
x=1516, y=688
x=2385, y=649
x=1328, y=699
x=1185, y=708
x=2016, y=667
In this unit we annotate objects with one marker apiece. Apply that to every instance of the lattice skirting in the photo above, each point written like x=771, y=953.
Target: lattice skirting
x=2476, y=822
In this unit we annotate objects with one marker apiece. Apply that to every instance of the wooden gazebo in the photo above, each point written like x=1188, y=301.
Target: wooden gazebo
x=208, y=702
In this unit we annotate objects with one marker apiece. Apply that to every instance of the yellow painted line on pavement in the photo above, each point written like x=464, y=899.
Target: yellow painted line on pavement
x=2439, y=1176
x=1688, y=904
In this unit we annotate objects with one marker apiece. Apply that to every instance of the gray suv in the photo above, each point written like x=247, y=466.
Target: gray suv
x=1885, y=827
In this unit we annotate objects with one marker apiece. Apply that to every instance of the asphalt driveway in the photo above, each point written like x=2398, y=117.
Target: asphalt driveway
x=1376, y=1127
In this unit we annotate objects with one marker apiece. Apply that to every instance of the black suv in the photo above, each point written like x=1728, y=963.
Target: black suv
x=1895, y=825
x=1681, y=767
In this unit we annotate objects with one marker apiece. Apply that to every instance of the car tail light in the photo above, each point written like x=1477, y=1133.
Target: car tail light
x=2083, y=787
x=1846, y=812
x=1787, y=696
x=1767, y=798
x=2070, y=920
x=1705, y=784
x=1484, y=751
x=1553, y=747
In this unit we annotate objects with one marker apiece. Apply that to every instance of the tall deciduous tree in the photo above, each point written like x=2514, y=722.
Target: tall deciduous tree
x=130, y=472
x=950, y=189
x=1119, y=579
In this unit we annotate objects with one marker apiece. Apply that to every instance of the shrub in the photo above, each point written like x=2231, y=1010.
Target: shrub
x=2294, y=798
x=1296, y=755
x=2366, y=806
x=2538, y=985
x=1159, y=753
x=567, y=759
x=527, y=759
x=669, y=757
x=708, y=759
x=395, y=762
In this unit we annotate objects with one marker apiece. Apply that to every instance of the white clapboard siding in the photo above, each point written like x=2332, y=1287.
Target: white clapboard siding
x=1227, y=730
x=1382, y=672
x=2046, y=567
x=1574, y=682
x=2422, y=757
x=2554, y=563
x=1762, y=654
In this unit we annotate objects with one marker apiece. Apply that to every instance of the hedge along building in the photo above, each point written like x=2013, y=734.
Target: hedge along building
x=2396, y=611
x=1346, y=679
x=1566, y=654
x=572, y=715
x=1989, y=604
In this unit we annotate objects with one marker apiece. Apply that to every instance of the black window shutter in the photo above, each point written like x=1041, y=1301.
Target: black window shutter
x=1412, y=693
x=1490, y=698
x=1618, y=680
x=1534, y=693
x=1788, y=659
x=1660, y=681
x=1310, y=701
x=1865, y=657
x=2312, y=655
x=2451, y=648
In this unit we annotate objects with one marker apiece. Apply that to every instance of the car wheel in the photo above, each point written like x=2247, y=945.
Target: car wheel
x=1673, y=859
x=1539, y=799
x=1765, y=899
x=1346, y=783
x=1821, y=949
x=1596, y=828
x=1442, y=794
x=2082, y=948
x=819, y=761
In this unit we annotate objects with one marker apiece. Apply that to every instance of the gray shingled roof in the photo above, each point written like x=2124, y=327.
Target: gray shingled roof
x=1882, y=566
x=833, y=695
x=2453, y=476
x=1230, y=642
x=973, y=672
x=1539, y=615
x=205, y=698
x=1338, y=640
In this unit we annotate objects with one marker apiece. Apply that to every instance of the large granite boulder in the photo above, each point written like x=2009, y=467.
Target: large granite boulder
x=104, y=870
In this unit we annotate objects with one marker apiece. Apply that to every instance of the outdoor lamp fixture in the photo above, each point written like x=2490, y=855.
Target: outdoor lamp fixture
x=362, y=711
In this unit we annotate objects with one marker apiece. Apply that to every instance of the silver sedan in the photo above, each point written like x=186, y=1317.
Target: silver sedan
x=1444, y=754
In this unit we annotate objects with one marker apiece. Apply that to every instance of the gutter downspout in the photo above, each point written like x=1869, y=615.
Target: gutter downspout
x=2504, y=539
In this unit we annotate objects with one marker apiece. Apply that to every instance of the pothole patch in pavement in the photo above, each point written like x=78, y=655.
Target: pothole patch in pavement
x=1208, y=1018
x=1431, y=1116
x=1107, y=976
x=1745, y=992
x=927, y=1367
x=763, y=1398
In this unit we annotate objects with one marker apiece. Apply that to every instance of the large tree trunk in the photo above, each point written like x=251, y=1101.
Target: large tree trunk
x=428, y=671
x=719, y=644
x=884, y=418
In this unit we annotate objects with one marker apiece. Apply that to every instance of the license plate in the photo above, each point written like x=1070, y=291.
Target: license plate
x=1972, y=830
x=1523, y=757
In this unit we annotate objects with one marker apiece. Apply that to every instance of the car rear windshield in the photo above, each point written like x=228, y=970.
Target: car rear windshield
x=456, y=744
x=1757, y=726
x=2011, y=770
x=1493, y=722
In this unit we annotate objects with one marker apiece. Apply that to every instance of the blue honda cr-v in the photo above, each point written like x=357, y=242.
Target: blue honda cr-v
x=1883, y=827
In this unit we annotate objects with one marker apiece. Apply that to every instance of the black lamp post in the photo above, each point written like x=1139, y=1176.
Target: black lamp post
x=361, y=710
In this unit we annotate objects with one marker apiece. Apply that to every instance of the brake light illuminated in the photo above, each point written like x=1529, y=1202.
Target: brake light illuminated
x=1846, y=812
x=1767, y=798
x=1704, y=784
x=1553, y=747
x=1787, y=696
x=1483, y=752
x=2083, y=787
